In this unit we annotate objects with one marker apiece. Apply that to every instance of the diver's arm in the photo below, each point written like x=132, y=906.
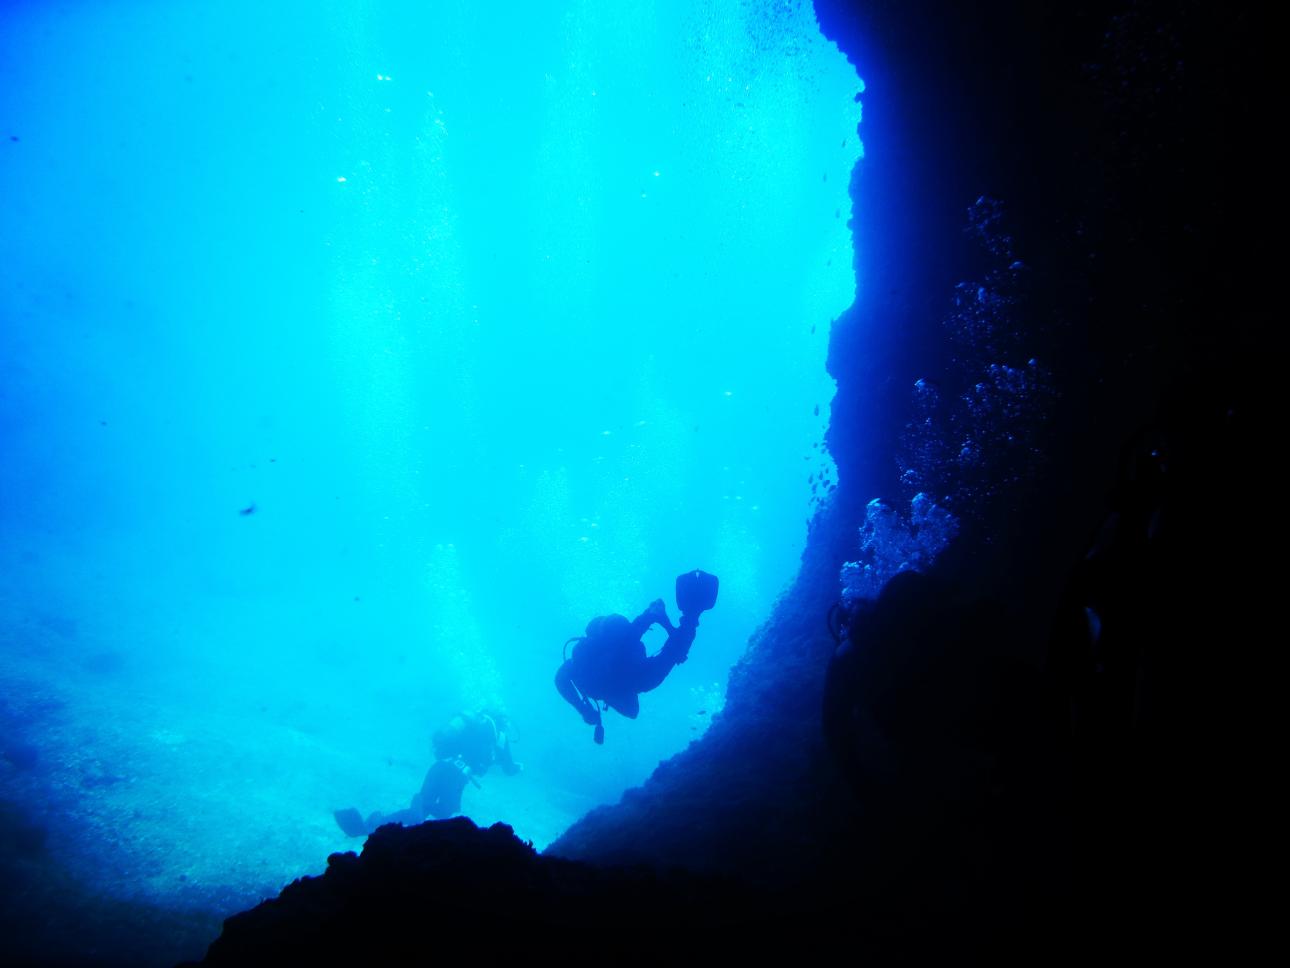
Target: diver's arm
x=656, y=614
x=677, y=647
x=564, y=685
x=696, y=592
x=675, y=650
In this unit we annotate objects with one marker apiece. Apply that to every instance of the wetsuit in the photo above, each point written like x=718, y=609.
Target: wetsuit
x=610, y=664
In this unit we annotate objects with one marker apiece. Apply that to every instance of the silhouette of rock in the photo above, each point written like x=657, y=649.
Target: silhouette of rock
x=448, y=888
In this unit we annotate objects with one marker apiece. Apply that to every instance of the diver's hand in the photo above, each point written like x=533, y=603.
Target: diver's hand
x=657, y=613
x=591, y=715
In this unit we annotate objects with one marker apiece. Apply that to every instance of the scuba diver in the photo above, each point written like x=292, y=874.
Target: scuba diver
x=464, y=749
x=609, y=665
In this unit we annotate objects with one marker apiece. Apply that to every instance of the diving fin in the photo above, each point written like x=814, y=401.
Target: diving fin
x=351, y=822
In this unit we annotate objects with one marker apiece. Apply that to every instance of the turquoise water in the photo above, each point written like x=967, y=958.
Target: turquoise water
x=491, y=319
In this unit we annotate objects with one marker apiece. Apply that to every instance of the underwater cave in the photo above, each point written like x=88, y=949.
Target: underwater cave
x=359, y=357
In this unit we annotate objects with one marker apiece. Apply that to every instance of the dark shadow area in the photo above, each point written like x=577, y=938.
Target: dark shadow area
x=450, y=889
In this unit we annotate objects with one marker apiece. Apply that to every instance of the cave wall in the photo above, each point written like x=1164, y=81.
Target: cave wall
x=1120, y=138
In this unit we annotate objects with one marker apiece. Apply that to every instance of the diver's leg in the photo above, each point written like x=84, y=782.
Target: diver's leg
x=427, y=796
x=441, y=792
x=451, y=803
x=351, y=822
x=653, y=671
x=431, y=791
x=628, y=704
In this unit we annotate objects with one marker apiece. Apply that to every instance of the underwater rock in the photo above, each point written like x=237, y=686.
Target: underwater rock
x=928, y=674
x=976, y=433
x=947, y=739
x=448, y=888
x=892, y=543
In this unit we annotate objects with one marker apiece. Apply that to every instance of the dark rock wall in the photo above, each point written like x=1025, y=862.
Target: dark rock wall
x=449, y=890
x=1121, y=140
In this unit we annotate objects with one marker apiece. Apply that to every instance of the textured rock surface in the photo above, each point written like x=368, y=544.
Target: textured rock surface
x=448, y=888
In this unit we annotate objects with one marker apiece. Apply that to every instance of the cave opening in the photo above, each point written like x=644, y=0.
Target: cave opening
x=356, y=356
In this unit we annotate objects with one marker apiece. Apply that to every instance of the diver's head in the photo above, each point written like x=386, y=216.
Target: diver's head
x=608, y=627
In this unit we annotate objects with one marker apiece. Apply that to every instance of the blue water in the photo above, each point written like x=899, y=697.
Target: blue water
x=491, y=320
